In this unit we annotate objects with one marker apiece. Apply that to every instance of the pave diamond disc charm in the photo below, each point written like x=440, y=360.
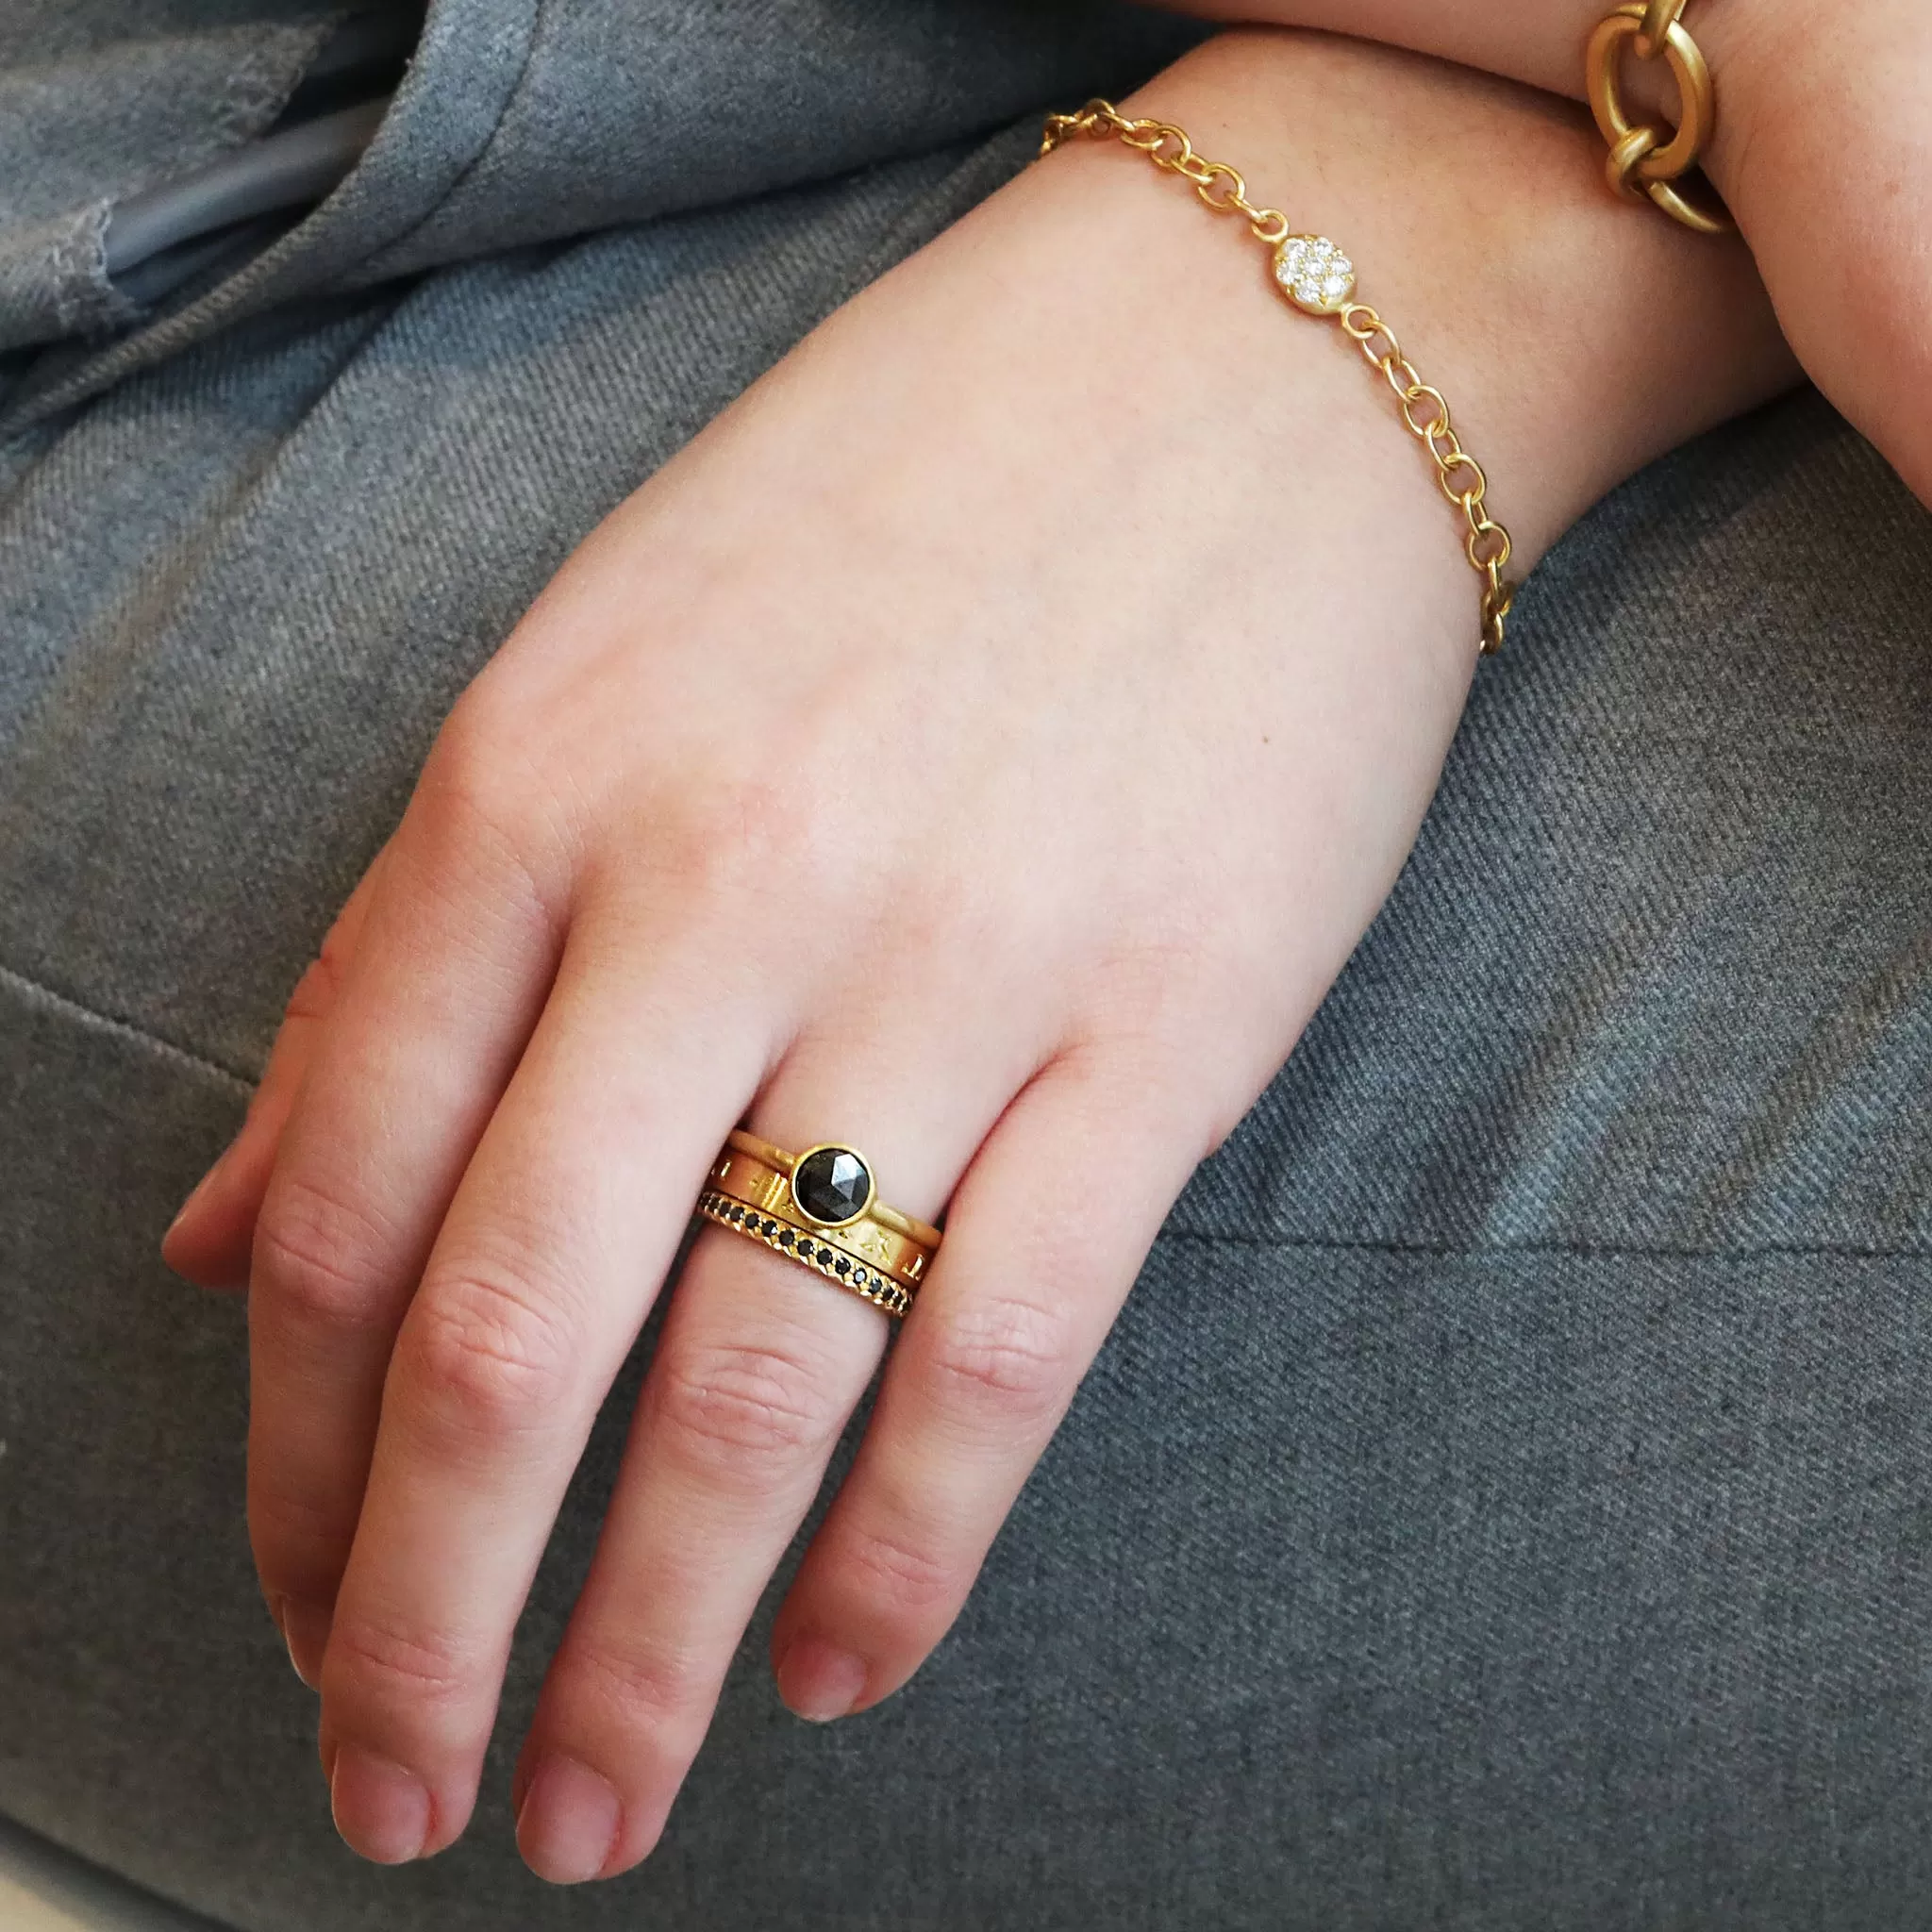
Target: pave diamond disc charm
x=1314, y=274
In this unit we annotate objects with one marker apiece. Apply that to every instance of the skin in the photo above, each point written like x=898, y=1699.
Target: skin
x=986, y=740
x=1823, y=152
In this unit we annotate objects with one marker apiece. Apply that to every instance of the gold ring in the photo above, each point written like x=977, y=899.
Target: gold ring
x=822, y=1210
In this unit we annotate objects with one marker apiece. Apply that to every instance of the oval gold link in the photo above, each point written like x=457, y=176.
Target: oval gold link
x=1444, y=444
x=1269, y=227
x=1421, y=393
x=1680, y=208
x=1183, y=152
x=1400, y=374
x=1482, y=558
x=1473, y=491
x=1692, y=72
x=1234, y=200
x=1495, y=621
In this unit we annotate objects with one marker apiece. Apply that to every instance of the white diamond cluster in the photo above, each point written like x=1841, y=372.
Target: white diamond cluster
x=1315, y=273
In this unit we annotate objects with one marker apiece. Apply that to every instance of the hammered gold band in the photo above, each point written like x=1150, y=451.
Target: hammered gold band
x=821, y=1209
x=1646, y=160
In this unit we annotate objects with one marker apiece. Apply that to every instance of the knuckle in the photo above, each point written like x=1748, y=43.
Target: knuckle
x=1002, y=1357
x=319, y=1255
x=725, y=829
x=898, y=1575
x=492, y=1357
x=745, y=1408
x=390, y=1665
x=486, y=818
x=750, y=833
x=646, y=1690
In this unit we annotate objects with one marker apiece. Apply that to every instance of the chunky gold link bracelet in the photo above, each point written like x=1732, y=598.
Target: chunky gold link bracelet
x=1647, y=160
x=1314, y=274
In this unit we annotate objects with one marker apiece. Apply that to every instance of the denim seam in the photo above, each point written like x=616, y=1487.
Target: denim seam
x=37, y=994
x=485, y=148
x=1585, y=1250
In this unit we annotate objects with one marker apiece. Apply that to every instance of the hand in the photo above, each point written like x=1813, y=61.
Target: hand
x=1823, y=152
x=985, y=743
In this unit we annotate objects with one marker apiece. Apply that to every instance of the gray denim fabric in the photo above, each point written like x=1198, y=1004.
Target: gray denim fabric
x=1503, y=1503
x=89, y=116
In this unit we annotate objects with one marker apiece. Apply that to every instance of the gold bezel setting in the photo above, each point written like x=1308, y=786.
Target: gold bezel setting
x=872, y=1183
x=1314, y=274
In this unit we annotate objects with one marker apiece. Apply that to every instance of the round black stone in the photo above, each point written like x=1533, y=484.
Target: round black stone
x=784, y=1236
x=831, y=1185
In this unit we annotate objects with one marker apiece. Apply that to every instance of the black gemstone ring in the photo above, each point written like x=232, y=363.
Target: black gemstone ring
x=821, y=1209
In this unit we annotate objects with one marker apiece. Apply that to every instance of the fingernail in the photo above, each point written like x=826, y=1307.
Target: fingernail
x=381, y=1810
x=305, y=1630
x=818, y=1680
x=568, y=1825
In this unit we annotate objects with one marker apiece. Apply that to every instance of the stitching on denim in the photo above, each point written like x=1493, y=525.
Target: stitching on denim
x=1655, y=1251
x=36, y=993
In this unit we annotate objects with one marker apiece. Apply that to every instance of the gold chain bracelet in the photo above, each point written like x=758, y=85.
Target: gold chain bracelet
x=1647, y=160
x=1314, y=274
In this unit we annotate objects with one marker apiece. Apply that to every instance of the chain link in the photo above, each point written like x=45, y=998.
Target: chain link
x=1424, y=409
x=1646, y=160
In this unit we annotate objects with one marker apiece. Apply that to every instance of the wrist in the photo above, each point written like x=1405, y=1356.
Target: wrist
x=1542, y=42
x=1572, y=343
